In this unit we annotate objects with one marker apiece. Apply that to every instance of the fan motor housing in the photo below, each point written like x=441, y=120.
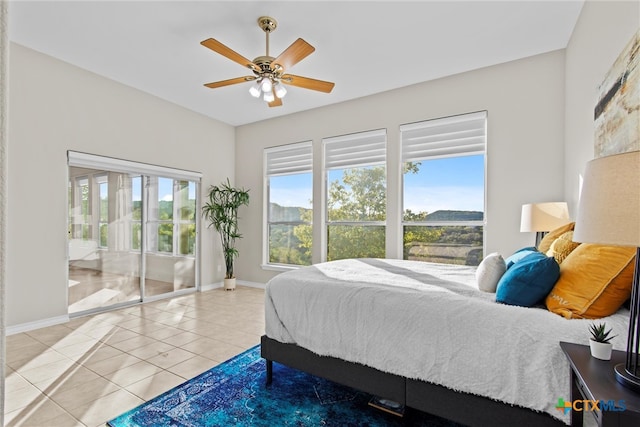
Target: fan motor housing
x=264, y=62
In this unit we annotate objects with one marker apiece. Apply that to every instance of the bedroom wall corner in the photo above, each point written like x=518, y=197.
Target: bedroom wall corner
x=601, y=32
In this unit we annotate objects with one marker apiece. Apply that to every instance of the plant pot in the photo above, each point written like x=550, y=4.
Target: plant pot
x=229, y=284
x=600, y=350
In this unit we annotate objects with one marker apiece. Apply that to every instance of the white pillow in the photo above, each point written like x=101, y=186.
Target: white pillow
x=490, y=271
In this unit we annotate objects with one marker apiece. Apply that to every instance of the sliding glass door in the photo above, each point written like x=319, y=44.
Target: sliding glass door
x=104, y=239
x=132, y=235
x=171, y=236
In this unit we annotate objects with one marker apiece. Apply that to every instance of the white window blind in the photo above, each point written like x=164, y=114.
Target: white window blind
x=355, y=150
x=465, y=134
x=288, y=159
x=125, y=166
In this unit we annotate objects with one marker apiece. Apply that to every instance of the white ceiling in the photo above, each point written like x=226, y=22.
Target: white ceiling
x=364, y=47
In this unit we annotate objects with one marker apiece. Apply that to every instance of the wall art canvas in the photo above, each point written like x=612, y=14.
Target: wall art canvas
x=617, y=113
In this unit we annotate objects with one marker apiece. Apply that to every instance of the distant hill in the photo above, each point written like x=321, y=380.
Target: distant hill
x=285, y=213
x=455, y=216
x=292, y=213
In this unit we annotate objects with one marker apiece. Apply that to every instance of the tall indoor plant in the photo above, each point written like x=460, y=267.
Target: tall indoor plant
x=221, y=210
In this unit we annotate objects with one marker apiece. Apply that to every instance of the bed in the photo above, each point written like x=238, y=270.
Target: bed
x=424, y=335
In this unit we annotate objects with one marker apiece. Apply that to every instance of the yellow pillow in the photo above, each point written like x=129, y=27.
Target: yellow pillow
x=547, y=240
x=562, y=247
x=595, y=280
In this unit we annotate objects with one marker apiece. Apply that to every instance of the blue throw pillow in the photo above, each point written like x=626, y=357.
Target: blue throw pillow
x=519, y=254
x=528, y=281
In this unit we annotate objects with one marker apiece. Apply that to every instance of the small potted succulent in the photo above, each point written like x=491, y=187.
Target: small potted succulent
x=600, y=341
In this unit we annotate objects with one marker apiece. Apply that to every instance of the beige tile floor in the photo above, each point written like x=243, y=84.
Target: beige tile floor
x=91, y=369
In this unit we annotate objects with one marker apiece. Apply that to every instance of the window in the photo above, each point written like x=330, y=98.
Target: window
x=81, y=210
x=133, y=206
x=185, y=205
x=171, y=221
x=356, y=203
x=160, y=219
x=443, y=189
x=288, y=198
x=102, y=184
x=135, y=184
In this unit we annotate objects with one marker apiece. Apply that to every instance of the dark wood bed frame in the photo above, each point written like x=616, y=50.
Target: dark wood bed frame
x=464, y=408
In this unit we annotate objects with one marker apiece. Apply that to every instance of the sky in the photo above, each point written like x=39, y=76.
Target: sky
x=455, y=183
x=292, y=190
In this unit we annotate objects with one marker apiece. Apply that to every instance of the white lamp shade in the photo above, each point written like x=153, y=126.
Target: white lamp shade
x=280, y=90
x=543, y=216
x=609, y=208
x=254, y=90
x=266, y=85
x=268, y=96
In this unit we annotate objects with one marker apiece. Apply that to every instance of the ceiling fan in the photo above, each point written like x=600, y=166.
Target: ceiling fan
x=269, y=72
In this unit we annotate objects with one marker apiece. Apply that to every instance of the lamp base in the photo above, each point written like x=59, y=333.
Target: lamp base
x=627, y=379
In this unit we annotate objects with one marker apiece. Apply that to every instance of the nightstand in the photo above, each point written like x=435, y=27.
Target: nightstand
x=592, y=380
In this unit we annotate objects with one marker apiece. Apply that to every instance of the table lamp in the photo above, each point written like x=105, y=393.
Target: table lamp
x=609, y=214
x=543, y=217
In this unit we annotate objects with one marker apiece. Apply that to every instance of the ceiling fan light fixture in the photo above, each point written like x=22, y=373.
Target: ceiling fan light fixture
x=269, y=73
x=254, y=90
x=269, y=96
x=280, y=91
x=266, y=85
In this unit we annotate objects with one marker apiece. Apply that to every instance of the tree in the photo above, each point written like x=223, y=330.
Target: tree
x=304, y=234
x=360, y=196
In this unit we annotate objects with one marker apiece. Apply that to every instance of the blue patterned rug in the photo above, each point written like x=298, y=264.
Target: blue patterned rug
x=234, y=394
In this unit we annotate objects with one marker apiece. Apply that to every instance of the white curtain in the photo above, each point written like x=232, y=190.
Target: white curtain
x=4, y=67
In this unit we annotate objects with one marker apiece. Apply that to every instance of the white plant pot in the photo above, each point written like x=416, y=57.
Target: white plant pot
x=600, y=350
x=229, y=284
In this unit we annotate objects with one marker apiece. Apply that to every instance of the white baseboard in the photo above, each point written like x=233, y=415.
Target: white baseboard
x=246, y=283
x=30, y=326
x=210, y=286
x=251, y=284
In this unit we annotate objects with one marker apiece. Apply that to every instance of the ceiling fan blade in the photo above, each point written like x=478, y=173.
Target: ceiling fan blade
x=277, y=102
x=295, y=53
x=223, y=50
x=230, y=82
x=307, y=83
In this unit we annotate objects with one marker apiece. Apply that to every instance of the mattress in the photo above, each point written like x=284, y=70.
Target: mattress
x=429, y=322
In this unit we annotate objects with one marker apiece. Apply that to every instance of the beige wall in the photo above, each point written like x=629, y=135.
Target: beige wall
x=55, y=107
x=525, y=104
x=603, y=30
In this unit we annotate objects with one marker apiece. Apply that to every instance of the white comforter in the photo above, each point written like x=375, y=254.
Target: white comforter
x=430, y=322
